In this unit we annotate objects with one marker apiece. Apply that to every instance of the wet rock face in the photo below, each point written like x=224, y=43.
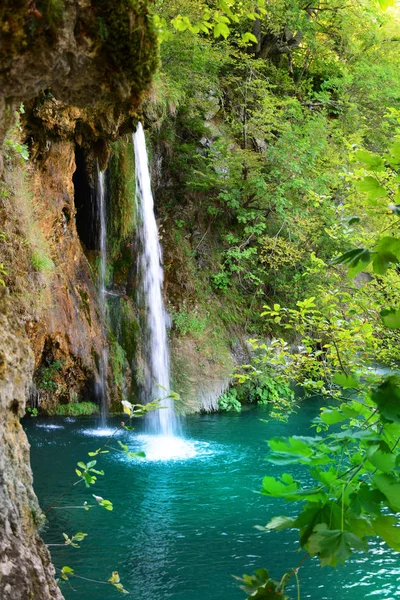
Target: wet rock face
x=70, y=331
x=25, y=566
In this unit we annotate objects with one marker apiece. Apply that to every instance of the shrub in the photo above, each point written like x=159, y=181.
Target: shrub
x=76, y=409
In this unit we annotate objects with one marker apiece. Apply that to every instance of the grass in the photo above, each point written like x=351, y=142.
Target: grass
x=24, y=250
x=77, y=409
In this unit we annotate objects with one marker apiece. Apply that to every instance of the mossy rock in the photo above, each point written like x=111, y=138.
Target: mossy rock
x=23, y=23
x=129, y=40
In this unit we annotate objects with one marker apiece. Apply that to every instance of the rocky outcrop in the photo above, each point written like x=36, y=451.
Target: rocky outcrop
x=94, y=55
x=26, y=571
x=69, y=332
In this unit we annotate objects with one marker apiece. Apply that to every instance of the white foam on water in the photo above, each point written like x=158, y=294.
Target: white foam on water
x=166, y=447
x=49, y=426
x=100, y=432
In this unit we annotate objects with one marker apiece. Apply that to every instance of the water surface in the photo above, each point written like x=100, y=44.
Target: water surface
x=182, y=526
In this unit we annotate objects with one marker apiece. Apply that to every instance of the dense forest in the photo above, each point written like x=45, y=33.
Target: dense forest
x=267, y=134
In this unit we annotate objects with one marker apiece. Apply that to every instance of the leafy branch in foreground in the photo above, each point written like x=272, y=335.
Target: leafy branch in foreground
x=114, y=580
x=354, y=474
x=77, y=537
x=87, y=473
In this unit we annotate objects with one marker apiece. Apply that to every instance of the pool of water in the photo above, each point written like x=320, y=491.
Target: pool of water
x=183, y=518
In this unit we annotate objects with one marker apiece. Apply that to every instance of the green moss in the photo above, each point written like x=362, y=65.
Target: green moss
x=85, y=305
x=117, y=363
x=41, y=261
x=121, y=211
x=130, y=330
x=129, y=40
x=76, y=409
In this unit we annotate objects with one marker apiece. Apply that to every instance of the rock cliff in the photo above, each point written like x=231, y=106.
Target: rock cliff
x=72, y=76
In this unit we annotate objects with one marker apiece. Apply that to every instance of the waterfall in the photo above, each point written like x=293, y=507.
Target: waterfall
x=103, y=366
x=150, y=297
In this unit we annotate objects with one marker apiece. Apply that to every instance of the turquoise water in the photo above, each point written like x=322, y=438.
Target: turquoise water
x=181, y=527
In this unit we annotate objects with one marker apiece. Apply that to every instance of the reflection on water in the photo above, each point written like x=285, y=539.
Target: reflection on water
x=183, y=518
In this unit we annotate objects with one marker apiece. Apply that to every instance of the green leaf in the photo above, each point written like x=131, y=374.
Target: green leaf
x=387, y=528
x=391, y=318
x=381, y=262
x=273, y=487
x=221, y=29
x=390, y=488
x=260, y=586
x=65, y=571
x=371, y=186
x=78, y=537
x=371, y=161
x=346, y=381
x=390, y=245
x=315, y=514
x=249, y=37
x=106, y=504
x=114, y=577
x=179, y=23
x=387, y=397
x=369, y=499
x=334, y=546
x=382, y=460
x=332, y=416
x=356, y=260
x=97, y=472
x=278, y=523
x=395, y=149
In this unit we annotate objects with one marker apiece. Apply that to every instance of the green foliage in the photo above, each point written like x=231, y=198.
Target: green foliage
x=67, y=572
x=117, y=364
x=47, y=376
x=229, y=401
x=76, y=409
x=33, y=412
x=88, y=473
x=260, y=585
x=3, y=272
x=41, y=261
x=77, y=537
x=188, y=322
x=20, y=149
x=353, y=485
x=350, y=489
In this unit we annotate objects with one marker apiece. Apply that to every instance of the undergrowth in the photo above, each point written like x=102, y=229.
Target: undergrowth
x=76, y=409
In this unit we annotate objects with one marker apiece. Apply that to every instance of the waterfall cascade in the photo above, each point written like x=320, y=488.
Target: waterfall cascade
x=101, y=204
x=150, y=297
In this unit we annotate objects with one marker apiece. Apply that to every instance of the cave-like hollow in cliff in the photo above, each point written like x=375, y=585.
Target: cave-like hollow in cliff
x=87, y=217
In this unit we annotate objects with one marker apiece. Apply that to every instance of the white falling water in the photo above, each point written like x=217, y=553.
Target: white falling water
x=151, y=277
x=103, y=367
